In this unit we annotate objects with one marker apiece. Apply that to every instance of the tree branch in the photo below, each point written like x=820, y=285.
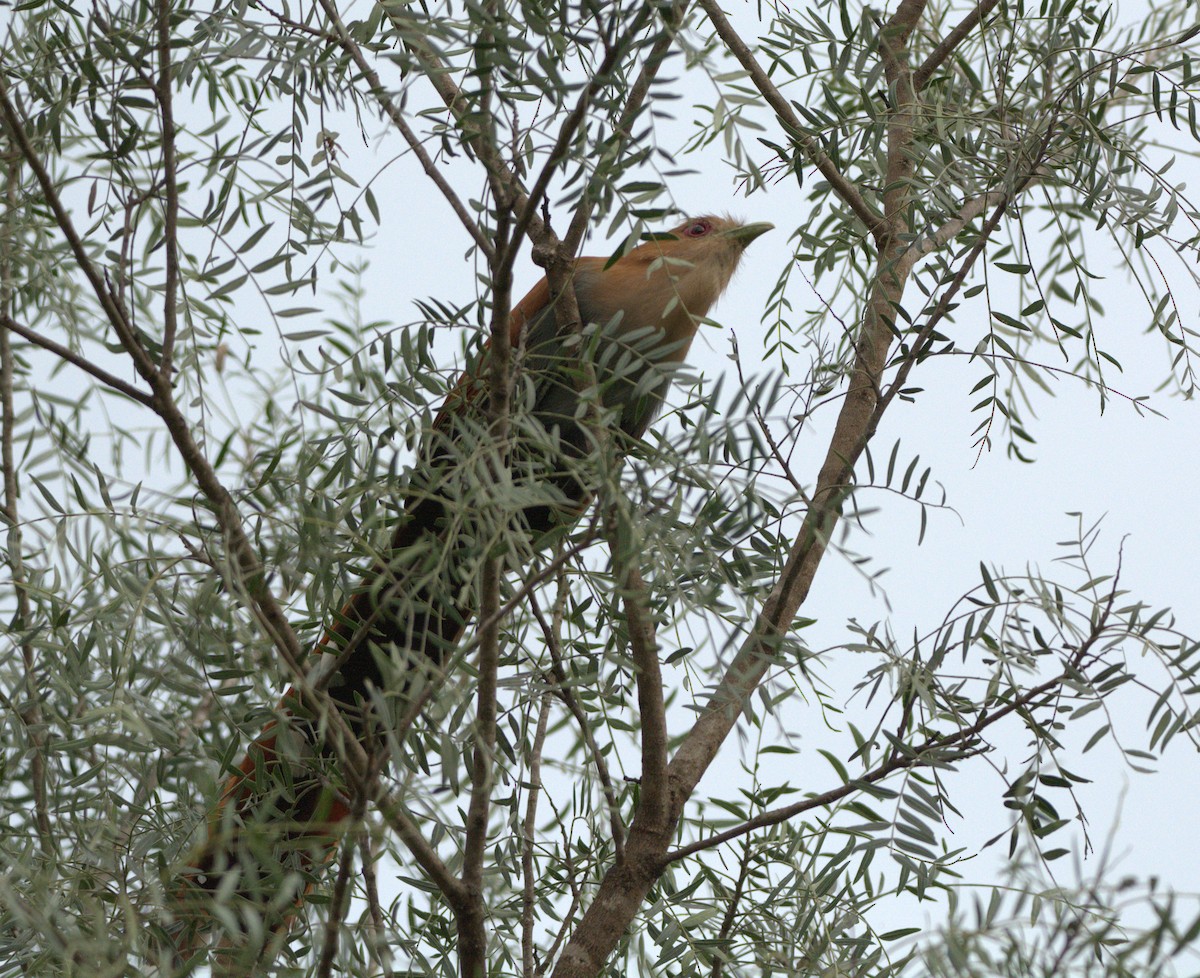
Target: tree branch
x=653, y=799
x=948, y=231
x=625, y=886
x=720, y=955
x=962, y=743
x=378, y=945
x=75, y=359
x=562, y=689
x=31, y=716
x=472, y=938
x=397, y=818
x=951, y=41
x=113, y=312
x=579, y=221
x=791, y=122
x=624, y=127
x=528, y=837
x=435, y=70
x=394, y=114
x=164, y=95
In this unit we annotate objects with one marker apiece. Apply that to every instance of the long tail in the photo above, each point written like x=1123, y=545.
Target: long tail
x=280, y=813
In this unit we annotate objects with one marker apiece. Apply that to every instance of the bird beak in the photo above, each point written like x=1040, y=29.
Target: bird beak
x=748, y=232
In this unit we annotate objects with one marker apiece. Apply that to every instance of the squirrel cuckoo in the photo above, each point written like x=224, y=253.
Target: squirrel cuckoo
x=639, y=315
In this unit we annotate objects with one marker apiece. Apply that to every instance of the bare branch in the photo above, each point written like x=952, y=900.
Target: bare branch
x=948, y=231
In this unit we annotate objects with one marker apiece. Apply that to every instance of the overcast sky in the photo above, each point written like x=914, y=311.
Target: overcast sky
x=1135, y=473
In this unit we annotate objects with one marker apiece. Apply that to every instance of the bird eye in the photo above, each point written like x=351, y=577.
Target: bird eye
x=698, y=229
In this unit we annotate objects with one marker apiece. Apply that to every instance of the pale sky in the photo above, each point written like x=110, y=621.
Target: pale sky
x=1136, y=473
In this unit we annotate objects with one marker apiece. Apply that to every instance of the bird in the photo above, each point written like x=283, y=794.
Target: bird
x=638, y=316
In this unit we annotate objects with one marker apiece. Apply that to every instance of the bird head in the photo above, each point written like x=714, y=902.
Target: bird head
x=674, y=278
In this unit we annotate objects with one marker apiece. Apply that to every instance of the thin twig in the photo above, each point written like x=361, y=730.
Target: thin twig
x=951, y=41
x=791, y=122
x=379, y=947
x=31, y=716
x=113, y=312
x=396, y=116
x=164, y=95
x=529, y=836
x=562, y=689
x=339, y=903
x=472, y=937
x=624, y=128
x=572, y=878
x=579, y=222
x=75, y=359
x=720, y=952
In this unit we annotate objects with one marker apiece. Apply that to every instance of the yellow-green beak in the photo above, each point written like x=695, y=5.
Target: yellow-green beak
x=748, y=232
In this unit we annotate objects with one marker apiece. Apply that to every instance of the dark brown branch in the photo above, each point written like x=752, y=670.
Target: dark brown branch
x=720, y=955
x=378, y=945
x=163, y=93
x=951, y=41
x=529, y=835
x=396, y=116
x=75, y=359
x=31, y=716
x=653, y=799
x=339, y=903
x=792, y=124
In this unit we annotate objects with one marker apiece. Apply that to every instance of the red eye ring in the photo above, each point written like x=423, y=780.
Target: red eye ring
x=697, y=229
